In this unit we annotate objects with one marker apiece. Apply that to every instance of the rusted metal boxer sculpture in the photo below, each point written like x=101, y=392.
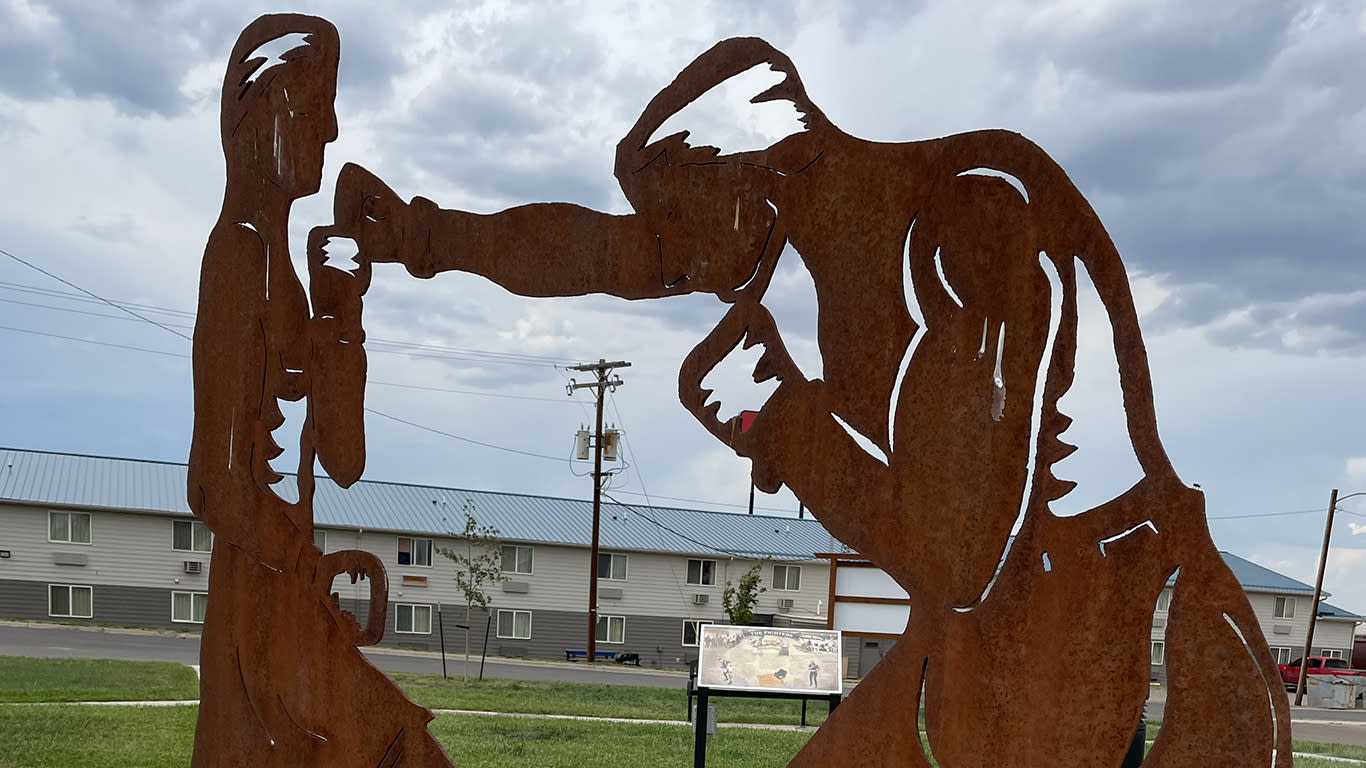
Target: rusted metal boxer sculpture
x=947, y=324
x=282, y=681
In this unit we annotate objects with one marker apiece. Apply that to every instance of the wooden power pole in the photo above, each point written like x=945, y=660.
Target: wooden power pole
x=602, y=382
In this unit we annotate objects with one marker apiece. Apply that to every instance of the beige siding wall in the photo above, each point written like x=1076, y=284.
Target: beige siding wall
x=655, y=584
x=1335, y=634
x=126, y=549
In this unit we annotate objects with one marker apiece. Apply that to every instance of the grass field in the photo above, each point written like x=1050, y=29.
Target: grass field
x=65, y=735
x=594, y=700
x=29, y=680
x=161, y=737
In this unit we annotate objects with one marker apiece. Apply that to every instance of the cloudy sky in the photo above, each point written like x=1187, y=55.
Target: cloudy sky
x=1221, y=143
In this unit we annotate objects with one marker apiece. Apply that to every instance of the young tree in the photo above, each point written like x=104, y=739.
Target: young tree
x=478, y=558
x=738, y=600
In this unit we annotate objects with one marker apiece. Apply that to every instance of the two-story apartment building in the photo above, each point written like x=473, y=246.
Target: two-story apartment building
x=113, y=540
x=1282, y=606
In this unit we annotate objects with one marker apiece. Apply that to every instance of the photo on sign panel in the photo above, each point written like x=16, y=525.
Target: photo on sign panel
x=781, y=660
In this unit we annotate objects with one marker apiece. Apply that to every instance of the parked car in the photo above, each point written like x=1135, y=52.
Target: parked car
x=1318, y=665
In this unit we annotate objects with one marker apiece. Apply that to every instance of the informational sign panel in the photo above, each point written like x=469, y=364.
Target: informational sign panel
x=776, y=659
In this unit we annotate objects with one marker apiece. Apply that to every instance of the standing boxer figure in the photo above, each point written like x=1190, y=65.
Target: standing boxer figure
x=282, y=681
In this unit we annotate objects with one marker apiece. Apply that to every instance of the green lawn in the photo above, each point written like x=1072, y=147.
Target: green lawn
x=33, y=736
x=162, y=737
x=67, y=736
x=486, y=741
x=31, y=680
x=594, y=700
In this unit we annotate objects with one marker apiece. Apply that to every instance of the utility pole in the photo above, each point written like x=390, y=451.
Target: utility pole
x=1314, y=608
x=602, y=381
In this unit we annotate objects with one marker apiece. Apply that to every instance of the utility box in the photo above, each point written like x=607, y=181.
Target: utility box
x=1333, y=692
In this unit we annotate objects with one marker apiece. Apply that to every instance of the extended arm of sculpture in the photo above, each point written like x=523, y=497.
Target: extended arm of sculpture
x=543, y=249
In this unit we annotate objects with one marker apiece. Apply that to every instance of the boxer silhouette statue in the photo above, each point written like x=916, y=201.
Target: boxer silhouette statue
x=946, y=274
x=282, y=681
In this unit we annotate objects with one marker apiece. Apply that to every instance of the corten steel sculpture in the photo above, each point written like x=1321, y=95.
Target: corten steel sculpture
x=946, y=345
x=282, y=680
x=947, y=325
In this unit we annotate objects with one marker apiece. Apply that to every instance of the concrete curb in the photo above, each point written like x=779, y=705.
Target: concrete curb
x=94, y=628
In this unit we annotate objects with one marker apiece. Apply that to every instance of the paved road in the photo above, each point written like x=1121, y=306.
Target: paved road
x=1157, y=703
x=67, y=642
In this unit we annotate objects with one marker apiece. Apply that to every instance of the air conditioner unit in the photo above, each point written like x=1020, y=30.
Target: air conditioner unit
x=785, y=604
x=194, y=566
x=700, y=599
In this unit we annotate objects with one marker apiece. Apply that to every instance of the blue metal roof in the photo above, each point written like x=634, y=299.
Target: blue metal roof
x=1327, y=611
x=38, y=477
x=1253, y=576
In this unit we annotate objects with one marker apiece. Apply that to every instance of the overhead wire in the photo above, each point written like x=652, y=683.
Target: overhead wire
x=705, y=546
x=1262, y=514
x=148, y=350
x=376, y=344
x=461, y=438
x=117, y=306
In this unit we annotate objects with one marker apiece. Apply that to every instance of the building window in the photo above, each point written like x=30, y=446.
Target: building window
x=68, y=527
x=1285, y=608
x=413, y=619
x=1282, y=654
x=692, y=631
x=189, y=607
x=1164, y=601
x=514, y=625
x=787, y=578
x=414, y=551
x=66, y=601
x=612, y=566
x=1159, y=653
x=191, y=536
x=702, y=573
x=517, y=559
x=1333, y=653
x=320, y=540
x=611, y=629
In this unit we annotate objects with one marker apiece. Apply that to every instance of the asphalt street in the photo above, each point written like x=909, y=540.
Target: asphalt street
x=17, y=639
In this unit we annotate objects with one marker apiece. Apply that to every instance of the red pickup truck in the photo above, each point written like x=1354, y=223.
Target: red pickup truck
x=1318, y=665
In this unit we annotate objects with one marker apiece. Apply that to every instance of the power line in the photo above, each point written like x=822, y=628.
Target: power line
x=1261, y=515
x=373, y=343
x=476, y=393
x=93, y=341
x=74, y=310
x=626, y=440
x=94, y=295
x=53, y=293
x=707, y=547
x=705, y=501
x=462, y=439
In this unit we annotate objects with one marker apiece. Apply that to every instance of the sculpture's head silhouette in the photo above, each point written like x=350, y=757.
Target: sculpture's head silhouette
x=714, y=213
x=277, y=107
